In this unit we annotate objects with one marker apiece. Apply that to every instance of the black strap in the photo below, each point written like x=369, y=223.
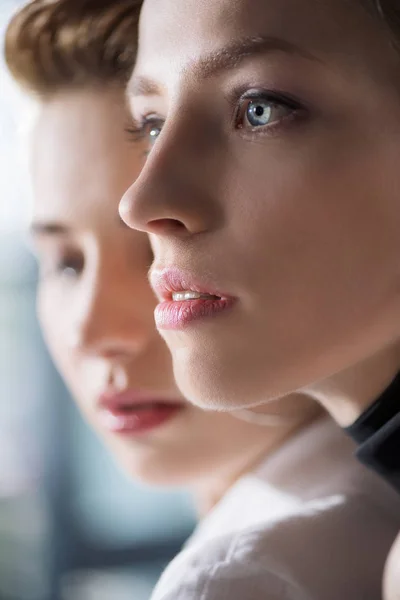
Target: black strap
x=377, y=431
x=376, y=416
x=381, y=452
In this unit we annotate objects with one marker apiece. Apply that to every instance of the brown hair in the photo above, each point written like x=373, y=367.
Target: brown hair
x=61, y=44
x=389, y=10
x=56, y=44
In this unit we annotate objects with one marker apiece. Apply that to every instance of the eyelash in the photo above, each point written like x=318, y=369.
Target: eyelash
x=139, y=130
x=268, y=97
x=67, y=266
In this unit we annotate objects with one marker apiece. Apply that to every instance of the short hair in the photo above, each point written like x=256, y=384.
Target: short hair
x=53, y=45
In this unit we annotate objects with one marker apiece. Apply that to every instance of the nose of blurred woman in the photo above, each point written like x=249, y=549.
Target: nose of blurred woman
x=109, y=319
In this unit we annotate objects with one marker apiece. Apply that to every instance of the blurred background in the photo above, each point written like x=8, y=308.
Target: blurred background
x=71, y=525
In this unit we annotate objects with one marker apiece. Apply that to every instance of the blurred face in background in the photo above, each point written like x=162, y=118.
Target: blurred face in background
x=96, y=306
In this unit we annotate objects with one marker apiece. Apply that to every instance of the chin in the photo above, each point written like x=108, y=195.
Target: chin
x=226, y=383
x=240, y=367
x=156, y=475
x=229, y=377
x=229, y=366
x=149, y=467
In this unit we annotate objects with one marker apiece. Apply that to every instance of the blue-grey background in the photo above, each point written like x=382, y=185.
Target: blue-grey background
x=71, y=525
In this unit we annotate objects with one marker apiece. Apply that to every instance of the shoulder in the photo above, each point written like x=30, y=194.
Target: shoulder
x=226, y=568
x=328, y=550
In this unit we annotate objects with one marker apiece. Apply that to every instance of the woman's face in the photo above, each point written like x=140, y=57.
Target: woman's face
x=273, y=187
x=96, y=306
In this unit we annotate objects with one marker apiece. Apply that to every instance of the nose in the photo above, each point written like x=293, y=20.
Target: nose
x=113, y=319
x=176, y=192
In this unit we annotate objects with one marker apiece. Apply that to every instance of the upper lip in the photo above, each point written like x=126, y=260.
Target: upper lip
x=167, y=281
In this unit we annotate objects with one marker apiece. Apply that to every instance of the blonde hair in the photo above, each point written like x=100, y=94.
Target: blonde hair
x=51, y=45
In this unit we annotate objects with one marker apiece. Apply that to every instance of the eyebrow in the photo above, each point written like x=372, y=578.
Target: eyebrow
x=142, y=86
x=225, y=59
x=41, y=228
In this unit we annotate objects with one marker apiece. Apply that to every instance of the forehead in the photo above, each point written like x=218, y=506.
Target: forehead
x=81, y=159
x=174, y=33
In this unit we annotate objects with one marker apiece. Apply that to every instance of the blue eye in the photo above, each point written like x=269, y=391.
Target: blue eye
x=259, y=113
x=263, y=111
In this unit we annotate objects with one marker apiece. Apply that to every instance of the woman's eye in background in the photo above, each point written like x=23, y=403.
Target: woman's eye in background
x=147, y=130
x=154, y=132
x=68, y=266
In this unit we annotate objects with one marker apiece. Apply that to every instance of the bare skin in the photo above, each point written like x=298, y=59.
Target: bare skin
x=96, y=306
x=293, y=212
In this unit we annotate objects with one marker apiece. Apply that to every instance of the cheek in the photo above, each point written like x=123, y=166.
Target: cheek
x=315, y=215
x=56, y=332
x=48, y=313
x=321, y=231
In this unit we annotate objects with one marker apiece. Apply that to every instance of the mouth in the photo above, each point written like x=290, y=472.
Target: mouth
x=184, y=300
x=133, y=413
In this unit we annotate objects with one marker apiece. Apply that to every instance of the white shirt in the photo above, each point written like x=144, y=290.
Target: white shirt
x=310, y=524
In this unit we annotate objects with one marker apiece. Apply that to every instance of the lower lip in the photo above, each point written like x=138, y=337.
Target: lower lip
x=178, y=315
x=139, y=419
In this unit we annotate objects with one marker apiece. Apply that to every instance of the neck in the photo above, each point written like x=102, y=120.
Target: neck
x=208, y=492
x=348, y=394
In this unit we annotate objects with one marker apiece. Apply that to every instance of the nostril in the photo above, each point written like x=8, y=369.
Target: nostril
x=167, y=226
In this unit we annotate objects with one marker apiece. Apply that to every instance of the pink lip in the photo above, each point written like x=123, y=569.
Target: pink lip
x=132, y=412
x=177, y=315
